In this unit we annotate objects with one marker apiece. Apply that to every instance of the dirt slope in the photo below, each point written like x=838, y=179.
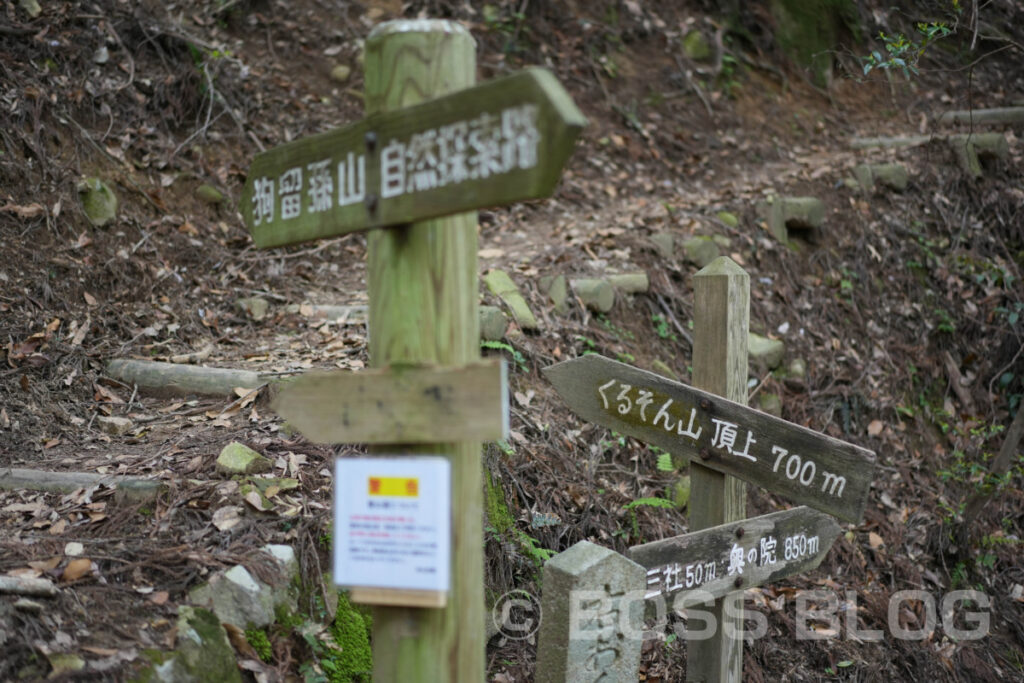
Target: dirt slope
x=905, y=308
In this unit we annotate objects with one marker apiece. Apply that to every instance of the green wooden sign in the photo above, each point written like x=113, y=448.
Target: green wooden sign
x=752, y=552
x=492, y=144
x=804, y=465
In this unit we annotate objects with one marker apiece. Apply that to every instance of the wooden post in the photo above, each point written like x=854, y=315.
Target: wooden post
x=422, y=281
x=721, y=320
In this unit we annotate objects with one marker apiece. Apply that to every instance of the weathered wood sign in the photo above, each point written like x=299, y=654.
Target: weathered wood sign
x=799, y=463
x=399, y=405
x=734, y=556
x=503, y=141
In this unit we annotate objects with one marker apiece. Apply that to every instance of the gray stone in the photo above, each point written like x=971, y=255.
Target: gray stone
x=770, y=403
x=501, y=285
x=786, y=213
x=893, y=176
x=559, y=294
x=236, y=598
x=31, y=7
x=662, y=368
x=630, y=283
x=765, y=353
x=701, y=250
x=797, y=368
x=98, y=201
x=592, y=615
x=664, y=244
x=696, y=47
x=255, y=306
x=728, y=218
x=341, y=73
x=970, y=149
x=203, y=652
x=209, y=194
x=115, y=426
x=596, y=294
x=237, y=458
x=493, y=323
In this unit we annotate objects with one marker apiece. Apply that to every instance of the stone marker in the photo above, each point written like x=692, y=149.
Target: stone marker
x=764, y=352
x=556, y=287
x=970, y=148
x=893, y=176
x=785, y=213
x=591, y=616
x=501, y=286
x=992, y=117
x=492, y=323
x=701, y=250
x=630, y=283
x=596, y=294
x=664, y=244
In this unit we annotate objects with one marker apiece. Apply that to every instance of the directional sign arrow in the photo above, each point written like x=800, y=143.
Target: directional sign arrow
x=399, y=405
x=503, y=141
x=804, y=465
x=738, y=555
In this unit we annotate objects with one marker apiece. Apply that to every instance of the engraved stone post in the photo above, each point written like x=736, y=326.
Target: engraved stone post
x=592, y=616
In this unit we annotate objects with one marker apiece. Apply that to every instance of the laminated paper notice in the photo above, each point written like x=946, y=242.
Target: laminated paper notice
x=392, y=524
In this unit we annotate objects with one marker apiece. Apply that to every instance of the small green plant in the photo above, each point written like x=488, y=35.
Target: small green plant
x=589, y=345
x=661, y=327
x=625, y=357
x=517, y=356
x=648, y=502
x=257, y=638
x=946, y=323
x=904, y=53
x=665, y=463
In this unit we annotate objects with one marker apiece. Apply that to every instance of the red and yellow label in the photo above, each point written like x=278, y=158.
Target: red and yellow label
x=406, y=487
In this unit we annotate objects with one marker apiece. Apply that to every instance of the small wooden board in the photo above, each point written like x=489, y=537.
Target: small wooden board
x=398, y=597
x=807, y=466
x=399, y=405
x=713, y=562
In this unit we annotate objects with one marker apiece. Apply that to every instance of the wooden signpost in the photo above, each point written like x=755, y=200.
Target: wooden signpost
x=799, y=463
x=431, y=146
x=728, y=444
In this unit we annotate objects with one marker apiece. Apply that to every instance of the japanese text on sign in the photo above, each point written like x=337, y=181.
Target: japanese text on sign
x=721, y=435
x=488, y=145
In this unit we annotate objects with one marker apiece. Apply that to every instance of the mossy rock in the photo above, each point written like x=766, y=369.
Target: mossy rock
x=696, y=46
x=98, y=201
x=209, y=194
x=237, y=458
x=808, y=31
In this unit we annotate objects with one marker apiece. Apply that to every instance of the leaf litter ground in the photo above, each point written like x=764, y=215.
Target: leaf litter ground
x=873, y=303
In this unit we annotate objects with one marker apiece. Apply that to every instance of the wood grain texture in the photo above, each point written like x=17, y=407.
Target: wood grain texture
x=721, y=320
x=399, y=405
x=400, y=597
x=558, y=122
x=174, y=379
x=423, y=310
x=716, y=543
x=578, y=382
